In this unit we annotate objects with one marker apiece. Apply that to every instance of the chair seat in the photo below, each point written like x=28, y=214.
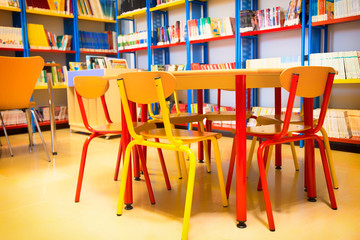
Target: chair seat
x=224, y=115
x=182, y=118
x=180, y=134
x=273, y=129
x=117, y=127
x=270, y=119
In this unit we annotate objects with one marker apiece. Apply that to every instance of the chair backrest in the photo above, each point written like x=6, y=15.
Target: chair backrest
x=18, y=76
x=307, y=82
x=147, y=88
x=91, y=87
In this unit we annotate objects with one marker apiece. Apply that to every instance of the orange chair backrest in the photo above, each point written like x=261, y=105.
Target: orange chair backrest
x=18, y=76
x=140, y=86
x=312, y=80
x=90, y=87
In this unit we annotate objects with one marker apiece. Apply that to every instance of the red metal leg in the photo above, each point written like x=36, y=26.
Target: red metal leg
x=278, y=112
x=240, y=87
x=266, y=153
x=200, y=111
x=82, y=165
x=146, y=175
x=163, y=166
x=209, y=129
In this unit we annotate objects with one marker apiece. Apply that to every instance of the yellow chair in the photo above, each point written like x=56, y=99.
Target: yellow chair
x=150, y=87
x=18, y=78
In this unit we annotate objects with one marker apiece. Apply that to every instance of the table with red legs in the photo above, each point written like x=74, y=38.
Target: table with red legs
x=240, y=80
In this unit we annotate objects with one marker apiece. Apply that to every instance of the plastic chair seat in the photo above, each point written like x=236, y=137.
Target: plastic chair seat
x=182, y=118
x=276, y=128
x=116, y=127
x=224, y=115
x=180, y=134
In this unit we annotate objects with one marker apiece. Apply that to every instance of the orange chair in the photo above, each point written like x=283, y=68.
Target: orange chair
x=92, y=88
x=18, y=78
x=307, y=82
x=150, y=87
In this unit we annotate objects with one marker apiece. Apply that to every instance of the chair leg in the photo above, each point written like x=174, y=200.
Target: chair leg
x=293, y=151
x=330, y=158
x=326, y=173
x=82, y=165
x=267, y=159
x=41, y=136
x=183, y=165
x=189, y=195
x=178, y=165
x=6, y=136
x=146, y=174
x=29, y=127
x=265, y=189
x=231, y=168
x=208, y=129
x=124, y=178
x=117, y=168
x=220, y=172
x=163, y=166
x=251, y=154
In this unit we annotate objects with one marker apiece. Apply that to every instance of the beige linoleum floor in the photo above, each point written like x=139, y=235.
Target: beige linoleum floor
x=37, y=197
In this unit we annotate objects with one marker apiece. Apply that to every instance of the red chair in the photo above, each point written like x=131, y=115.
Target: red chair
x=96, y=87
x=306, y=82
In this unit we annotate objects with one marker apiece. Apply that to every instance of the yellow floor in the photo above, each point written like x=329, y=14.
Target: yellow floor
x=37, y=197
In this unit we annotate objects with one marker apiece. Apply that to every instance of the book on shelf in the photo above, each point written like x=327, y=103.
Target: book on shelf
x=323, y=10
x=171, y=34
x=168, y=67
x=116, y=63
x=76, y=66
x=293, y=13
x=55, y=6
x=127, y=6
x=98, y=42
x=217, y=66
x=11, y=37
x=9, y=3
x=101, y=62
x=102, y=9
x=53, y=74
x=205, y=28
x=132, y=40
x=347, y=64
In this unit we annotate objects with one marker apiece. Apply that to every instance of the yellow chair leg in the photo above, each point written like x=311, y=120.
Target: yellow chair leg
x=293, y=151
x=123, y=178
x=189, y=196
x=251, y=154
x=330, y=158
x=183, y=165
x=220, y=172
x=205, y=149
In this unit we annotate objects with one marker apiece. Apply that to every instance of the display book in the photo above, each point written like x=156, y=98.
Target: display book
x=51, y=72
x=205, y=28
x=98, y=62
x=54, y=6
x=323, y=10
x=9, y=3
x=97, y=42
x=171, y=34
x=39, y=38
x=132, y=40
x=11, y=37
x=102, y=9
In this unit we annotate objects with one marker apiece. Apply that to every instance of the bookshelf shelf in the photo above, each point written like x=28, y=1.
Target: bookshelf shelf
x=11, y=9
x=132, y=50
x=96, y=19
x=168, y=45
x=52, y=50
x=11, y=49
x=44, y=123
x=338, y=20
x=132, y=14
x=49, y=13
x=168, y=6
x=353, y=140
x=211, y=39
x=346, y=81
x=54, y=87
x=287, y=28
x=98, y=53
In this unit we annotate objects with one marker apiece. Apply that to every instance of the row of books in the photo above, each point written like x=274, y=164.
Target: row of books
x=168, y=67
x=346, y=63
x=9, y=3
x=260, y=20
x=11, y=37
x=16, y=117
x=278, y=62
x=323, y=10
x=104, y=9
x=94, y=41
x=39, y=38
x=216, y=66
x=293, y=13
x=100, y=62
x=55, y=76
x=204, y=28
x=57, y=6
x=125, y=6
x=132, y=40
x=171, y=34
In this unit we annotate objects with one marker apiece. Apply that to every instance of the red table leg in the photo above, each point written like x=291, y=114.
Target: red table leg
x=200, y=111
x=278, y=112
x=240, y=87
x=310, y=182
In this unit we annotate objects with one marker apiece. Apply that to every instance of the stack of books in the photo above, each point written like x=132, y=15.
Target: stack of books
x=205, y=28
x=323, y=10
x=171, y=34
x=99, y=42
x=293, y=14
x=11, y=37
x=132, y=40
x=126, y=6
